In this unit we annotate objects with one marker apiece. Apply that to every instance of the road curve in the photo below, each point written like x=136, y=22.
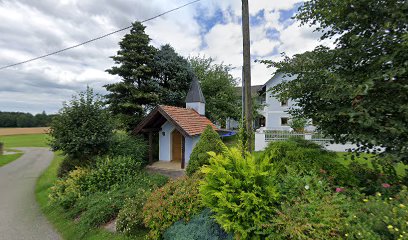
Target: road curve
x=20, y=215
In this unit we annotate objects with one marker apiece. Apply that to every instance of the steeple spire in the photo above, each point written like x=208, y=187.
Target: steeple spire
x=195, y=94
x=195, y=97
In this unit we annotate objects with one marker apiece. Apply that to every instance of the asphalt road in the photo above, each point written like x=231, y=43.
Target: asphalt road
x=20, y=215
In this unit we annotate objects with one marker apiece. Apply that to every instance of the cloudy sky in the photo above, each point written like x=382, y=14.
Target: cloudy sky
x=29, y=28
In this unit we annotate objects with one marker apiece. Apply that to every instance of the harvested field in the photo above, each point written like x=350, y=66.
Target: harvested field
x=22, y=131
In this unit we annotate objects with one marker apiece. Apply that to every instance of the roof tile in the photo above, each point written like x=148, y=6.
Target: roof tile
x=188, y=119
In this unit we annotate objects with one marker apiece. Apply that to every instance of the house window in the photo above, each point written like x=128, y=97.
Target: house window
x=284, y=103
x=284, y=121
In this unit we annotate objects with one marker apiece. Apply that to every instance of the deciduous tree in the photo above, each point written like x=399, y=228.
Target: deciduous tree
x=218, y=87
x=358, y=90
x=82, y=129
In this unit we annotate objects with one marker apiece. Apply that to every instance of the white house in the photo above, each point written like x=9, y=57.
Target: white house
x=274, y=114
x=179, y=128
x=276, y=111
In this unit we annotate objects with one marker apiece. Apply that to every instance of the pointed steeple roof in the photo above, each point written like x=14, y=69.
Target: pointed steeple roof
x=195, y=94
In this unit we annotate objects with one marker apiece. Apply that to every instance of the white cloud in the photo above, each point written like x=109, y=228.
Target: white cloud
x=298, y=39
x=224, y=43
x=32, y=28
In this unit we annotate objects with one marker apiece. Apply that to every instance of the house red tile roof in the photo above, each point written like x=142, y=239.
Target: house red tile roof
x=188, y=119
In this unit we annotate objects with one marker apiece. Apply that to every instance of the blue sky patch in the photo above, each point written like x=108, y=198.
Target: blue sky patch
x=287, y=14
x=207, y=23
x=257, y=19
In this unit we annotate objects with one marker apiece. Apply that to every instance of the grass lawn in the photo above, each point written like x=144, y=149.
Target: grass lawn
x=28, y=140
x=4, y=159
x=365, y=158
x=231, y=141
x=59, y=218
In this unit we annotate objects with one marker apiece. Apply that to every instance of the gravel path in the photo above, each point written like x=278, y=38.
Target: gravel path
x=20, y=216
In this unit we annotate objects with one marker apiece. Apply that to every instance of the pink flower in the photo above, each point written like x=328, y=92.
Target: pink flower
x=386, y=185
x=339, y=189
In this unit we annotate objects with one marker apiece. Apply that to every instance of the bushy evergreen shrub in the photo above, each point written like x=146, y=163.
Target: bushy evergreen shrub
x=241, y=192
x=200, y=227
x=209, y=141
x=177, y=200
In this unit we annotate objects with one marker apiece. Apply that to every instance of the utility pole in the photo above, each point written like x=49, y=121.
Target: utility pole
x=246, y=74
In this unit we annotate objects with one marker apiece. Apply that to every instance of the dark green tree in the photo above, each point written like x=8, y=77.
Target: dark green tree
x=136, y=93
x=358, y=90
x=82, y=129
x=173, y=75
x=209, y=141
x=218, y=87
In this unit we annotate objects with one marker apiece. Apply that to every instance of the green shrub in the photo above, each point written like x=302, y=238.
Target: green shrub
x=177, y=200
x=381, y=217
x=82, y=129
x=109, y=173
x=68, y=164
x=67, y=191
x=129, y=146
x=98, y=208
x=209, y=141
x=241, y=192
x=130, y=217
x=298, y=124
x=112, y=170
x=200, y=227
x=309, y=209
x=306, y=156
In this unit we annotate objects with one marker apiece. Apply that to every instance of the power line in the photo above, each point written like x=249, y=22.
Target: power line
x=97, y=38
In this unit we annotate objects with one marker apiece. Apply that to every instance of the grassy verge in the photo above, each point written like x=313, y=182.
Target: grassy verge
x=29, y=140
x=67, y=228
x=5, y=159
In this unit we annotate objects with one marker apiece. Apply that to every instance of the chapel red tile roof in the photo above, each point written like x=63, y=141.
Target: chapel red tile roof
x=188, y=119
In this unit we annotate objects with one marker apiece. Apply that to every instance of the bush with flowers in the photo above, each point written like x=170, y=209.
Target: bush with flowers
x=380, y=217
x=309, y=208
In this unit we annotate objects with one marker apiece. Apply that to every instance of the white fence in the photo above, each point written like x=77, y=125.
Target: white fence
x=263, y=137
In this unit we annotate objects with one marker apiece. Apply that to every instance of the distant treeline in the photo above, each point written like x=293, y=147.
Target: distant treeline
x=20, y=119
